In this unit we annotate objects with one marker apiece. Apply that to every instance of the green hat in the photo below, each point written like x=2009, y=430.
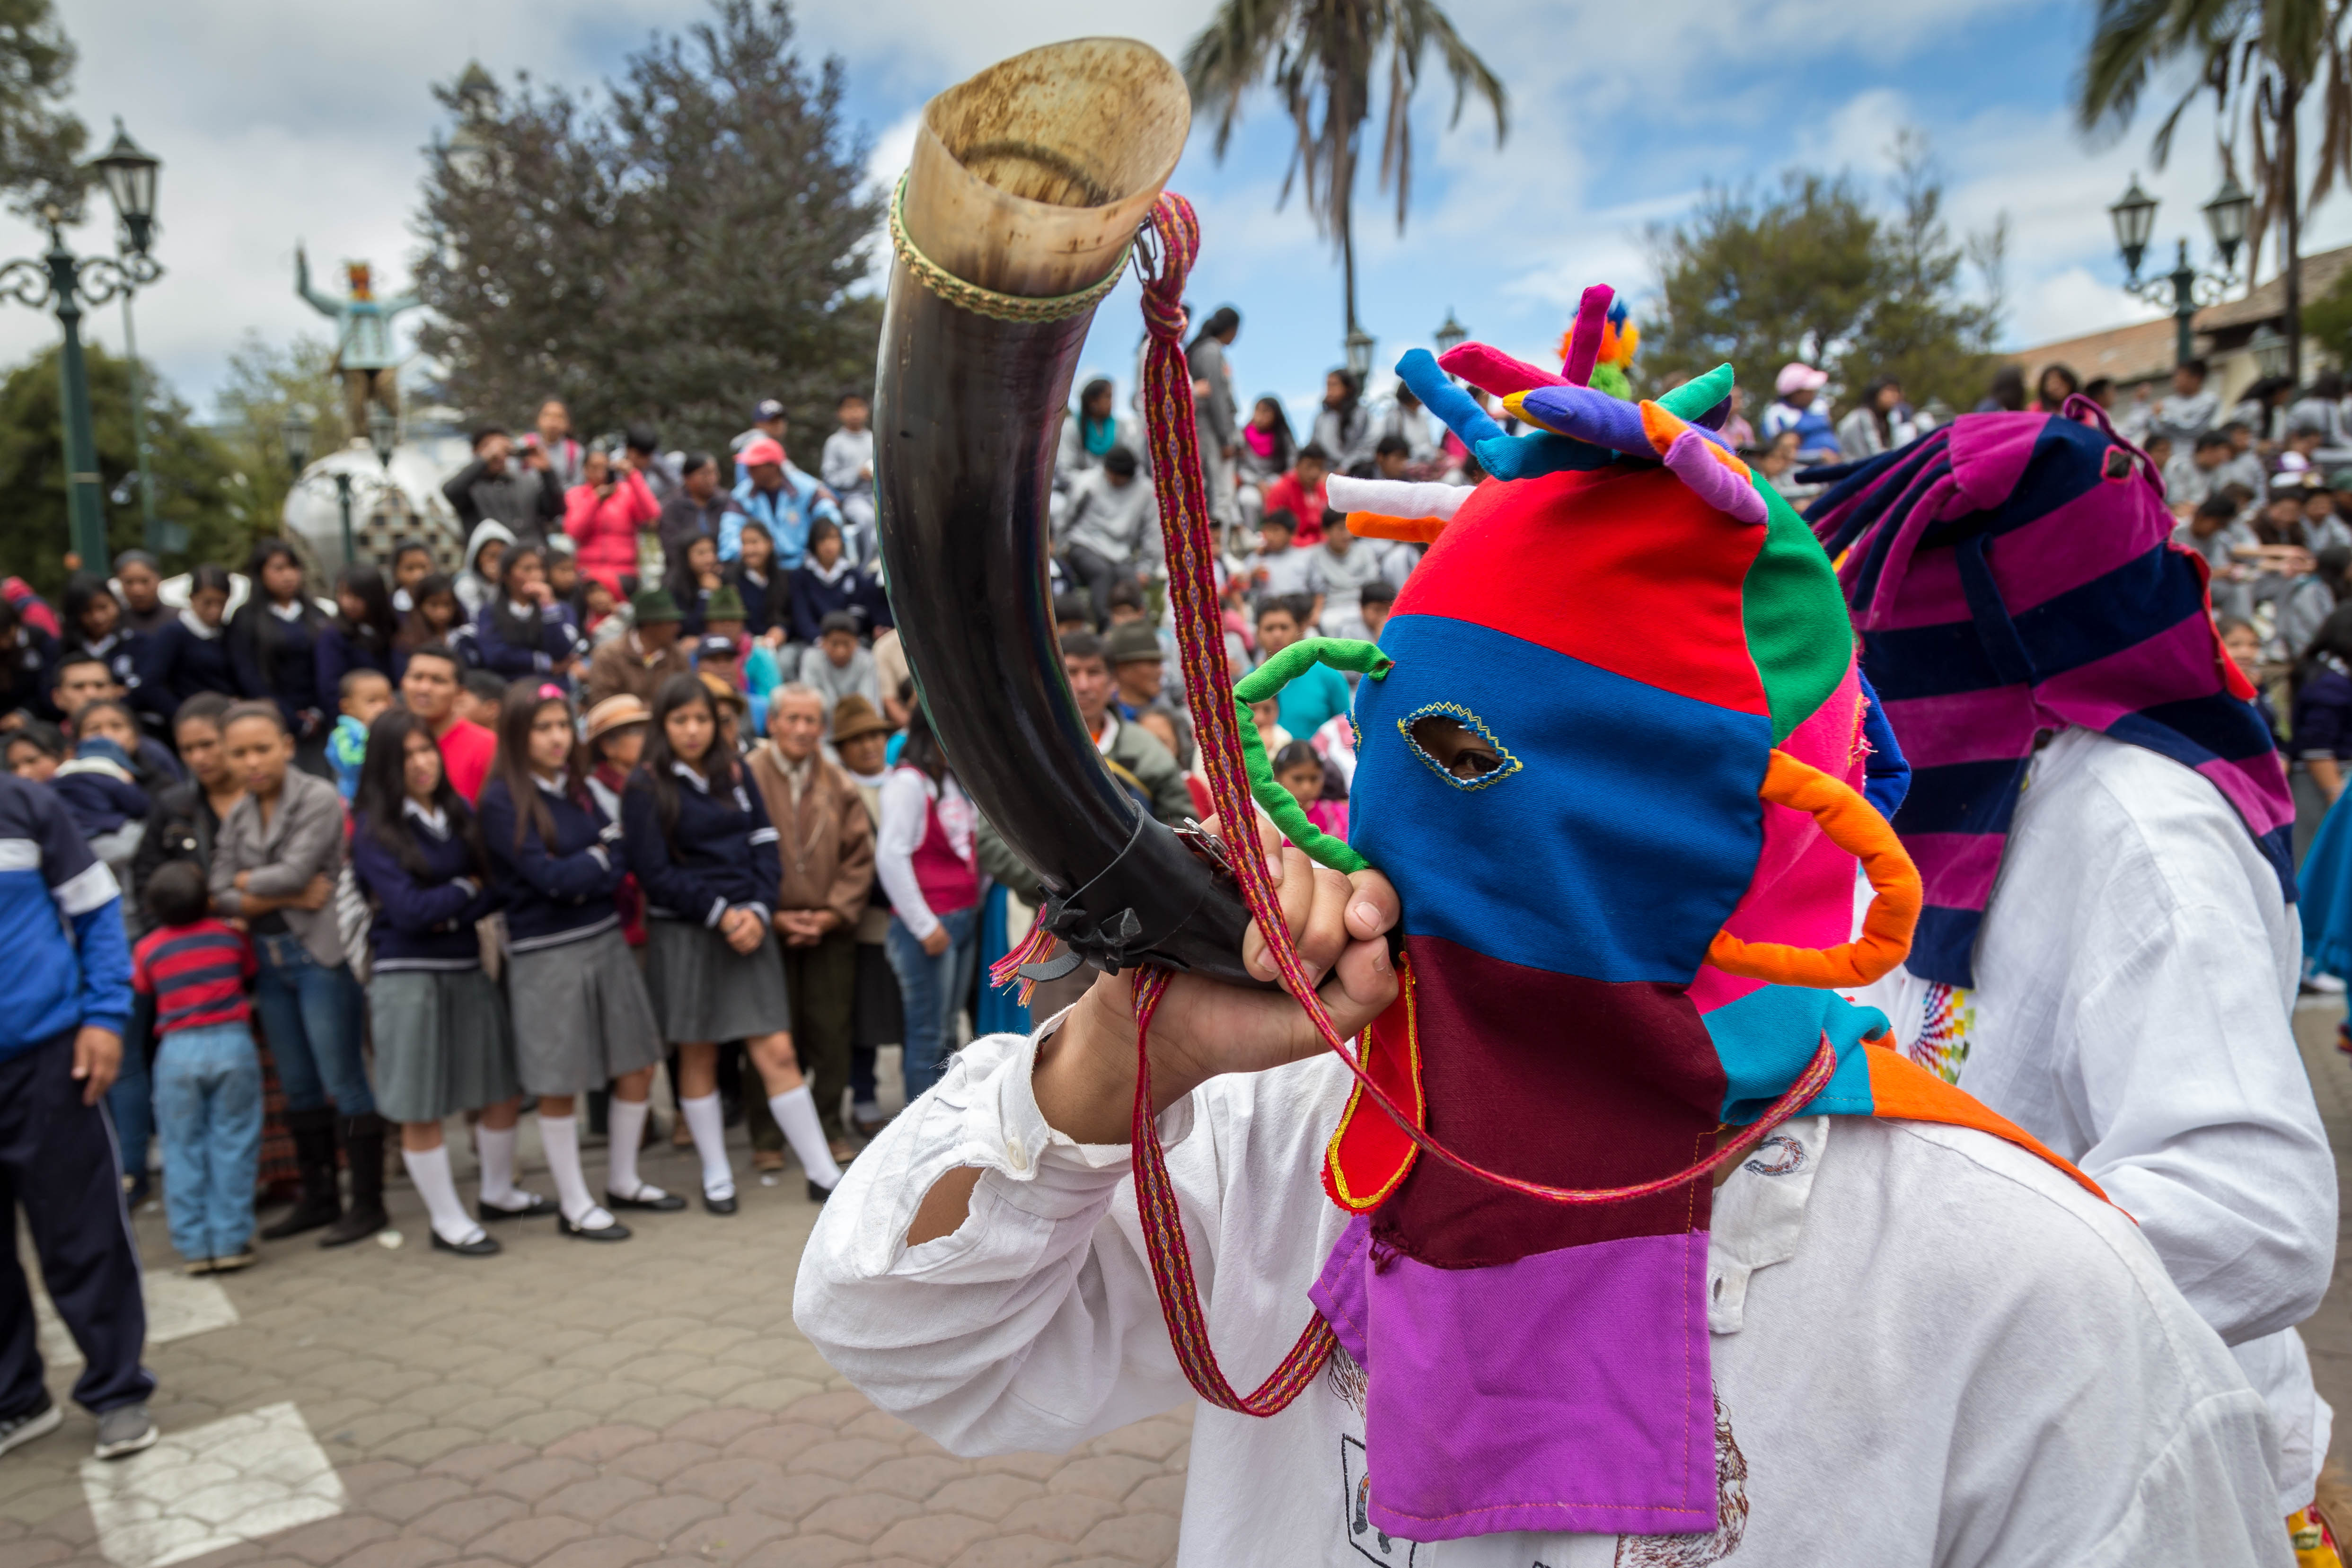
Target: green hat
x=654, y=606
x=724, y=605
x=2341, y=480
x=1132, y=642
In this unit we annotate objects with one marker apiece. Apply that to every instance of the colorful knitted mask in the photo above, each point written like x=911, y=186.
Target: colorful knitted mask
x=1610, y=749
x=2012, y=574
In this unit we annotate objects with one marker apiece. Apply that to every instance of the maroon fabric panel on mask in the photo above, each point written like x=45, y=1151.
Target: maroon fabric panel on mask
x=1551, y=1078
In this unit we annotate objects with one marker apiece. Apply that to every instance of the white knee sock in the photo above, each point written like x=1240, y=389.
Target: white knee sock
x=795, y=1113
x=496, y=1147
x=626, y=1119
x=560, y=1136
x=429, y=1169
x=708, y=1124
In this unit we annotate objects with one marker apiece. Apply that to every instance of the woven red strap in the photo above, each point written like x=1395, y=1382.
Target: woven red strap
x=1166, y=251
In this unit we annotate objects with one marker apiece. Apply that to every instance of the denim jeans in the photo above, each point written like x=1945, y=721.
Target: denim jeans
x=130, y=1100
x=934, y=988
x=208, y=1106
x=312, y=1018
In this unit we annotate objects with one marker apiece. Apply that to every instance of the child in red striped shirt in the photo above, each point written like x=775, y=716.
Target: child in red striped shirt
x=189, y=977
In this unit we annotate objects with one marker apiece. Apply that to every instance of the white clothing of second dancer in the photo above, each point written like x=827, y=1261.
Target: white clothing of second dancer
x=2135, y=976
x=1928, y=1346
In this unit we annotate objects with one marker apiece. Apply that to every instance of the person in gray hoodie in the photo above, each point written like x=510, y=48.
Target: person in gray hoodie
x=486, y=552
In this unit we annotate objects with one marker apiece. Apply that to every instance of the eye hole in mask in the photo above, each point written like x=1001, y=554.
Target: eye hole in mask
x=1458, y=746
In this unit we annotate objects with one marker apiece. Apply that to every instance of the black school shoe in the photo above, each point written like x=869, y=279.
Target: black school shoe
x=718, y=1205
x=480, y=1246
x=537, y=1208
x=668, y=1202
x=818, y=1195
x=615, y=1231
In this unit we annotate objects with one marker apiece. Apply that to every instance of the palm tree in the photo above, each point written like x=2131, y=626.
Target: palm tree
x=1320, y=56
x=2262, y=61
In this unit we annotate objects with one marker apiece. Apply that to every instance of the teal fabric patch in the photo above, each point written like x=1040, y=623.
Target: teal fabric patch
x=1766, y=1037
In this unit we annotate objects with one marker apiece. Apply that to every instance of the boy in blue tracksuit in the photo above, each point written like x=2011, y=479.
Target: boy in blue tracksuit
x=60, y=1043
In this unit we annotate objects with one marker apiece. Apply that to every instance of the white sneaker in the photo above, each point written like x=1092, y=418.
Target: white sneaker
x=18, y=1429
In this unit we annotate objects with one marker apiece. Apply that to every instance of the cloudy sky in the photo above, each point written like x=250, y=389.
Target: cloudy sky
x=281, y=120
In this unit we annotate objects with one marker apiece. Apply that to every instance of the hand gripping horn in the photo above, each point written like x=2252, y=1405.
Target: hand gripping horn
x=1015, y=219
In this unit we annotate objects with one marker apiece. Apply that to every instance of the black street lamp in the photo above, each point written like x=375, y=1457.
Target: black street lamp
x=1359, y=353
x=2185, y=288
x=63, y=282
x=1452, y=335
x=128, y=170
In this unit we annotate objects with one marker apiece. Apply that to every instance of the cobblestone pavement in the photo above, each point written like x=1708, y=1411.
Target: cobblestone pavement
x=565, y=1405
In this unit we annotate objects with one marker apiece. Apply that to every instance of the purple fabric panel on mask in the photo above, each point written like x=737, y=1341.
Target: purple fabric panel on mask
x=1566, y=1392
x=1338, y=1292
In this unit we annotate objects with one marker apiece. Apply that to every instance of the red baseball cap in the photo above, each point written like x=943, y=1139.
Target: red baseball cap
x=763, y=450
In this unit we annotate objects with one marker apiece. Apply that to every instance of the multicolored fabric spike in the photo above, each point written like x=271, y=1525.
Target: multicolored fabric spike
x=1619, y=939
x=2014, y=573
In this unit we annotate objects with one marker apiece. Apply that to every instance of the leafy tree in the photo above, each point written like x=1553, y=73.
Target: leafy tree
x=1320, y=56
x=2327, y=319
x=197, y=486
x=1810, y=270
x=40, y=142
x=265, y=383
x=670, y=250
x=2261, y=63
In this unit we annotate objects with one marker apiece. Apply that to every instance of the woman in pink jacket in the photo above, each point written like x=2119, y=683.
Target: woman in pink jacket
x=603, y=514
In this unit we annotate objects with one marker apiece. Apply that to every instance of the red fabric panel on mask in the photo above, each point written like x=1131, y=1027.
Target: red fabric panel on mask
x=1622, y=567
x=1556, y=1079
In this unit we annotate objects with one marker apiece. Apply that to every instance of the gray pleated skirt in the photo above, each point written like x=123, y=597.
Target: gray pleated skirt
x=442, y=1044
x=705, y=991
x=581, y=1018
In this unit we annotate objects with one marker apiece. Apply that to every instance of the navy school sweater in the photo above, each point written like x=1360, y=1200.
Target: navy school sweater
x=556, y=890
x=720, y=853
x=422, y=922
x=181, y=663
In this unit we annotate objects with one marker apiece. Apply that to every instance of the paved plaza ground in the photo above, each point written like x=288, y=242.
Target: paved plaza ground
x=579, y=1406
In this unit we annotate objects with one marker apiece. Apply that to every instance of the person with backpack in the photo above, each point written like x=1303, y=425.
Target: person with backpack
x=703, y=849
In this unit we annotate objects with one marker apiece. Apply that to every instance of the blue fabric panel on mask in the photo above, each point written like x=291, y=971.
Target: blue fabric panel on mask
x=1614, y=851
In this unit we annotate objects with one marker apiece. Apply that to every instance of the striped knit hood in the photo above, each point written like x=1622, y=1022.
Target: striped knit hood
x=2012, y=574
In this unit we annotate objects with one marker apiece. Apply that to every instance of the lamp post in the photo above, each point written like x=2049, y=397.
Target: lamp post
x=383, y=435
x=1452, y=335
x=128, y=170
x=2185, y=288
x=1359, y=354
x=64, y=283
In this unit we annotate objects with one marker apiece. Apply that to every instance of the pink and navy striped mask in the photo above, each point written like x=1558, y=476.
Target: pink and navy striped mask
x=2012, y=574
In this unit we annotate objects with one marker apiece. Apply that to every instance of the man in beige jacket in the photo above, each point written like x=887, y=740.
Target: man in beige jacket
x=826, y=841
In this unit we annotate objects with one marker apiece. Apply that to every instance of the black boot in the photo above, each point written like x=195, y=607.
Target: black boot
x=363, y=1150
x=313, y=1133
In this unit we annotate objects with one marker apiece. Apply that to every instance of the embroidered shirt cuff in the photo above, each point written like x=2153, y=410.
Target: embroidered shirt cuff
x=718, y=912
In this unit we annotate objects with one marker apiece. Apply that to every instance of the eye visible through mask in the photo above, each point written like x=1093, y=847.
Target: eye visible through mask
x=1452, y=740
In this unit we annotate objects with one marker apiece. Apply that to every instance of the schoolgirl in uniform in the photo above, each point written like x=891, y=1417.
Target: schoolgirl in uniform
x=699, y=841
x=581, y=1018
x=443, y=1041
